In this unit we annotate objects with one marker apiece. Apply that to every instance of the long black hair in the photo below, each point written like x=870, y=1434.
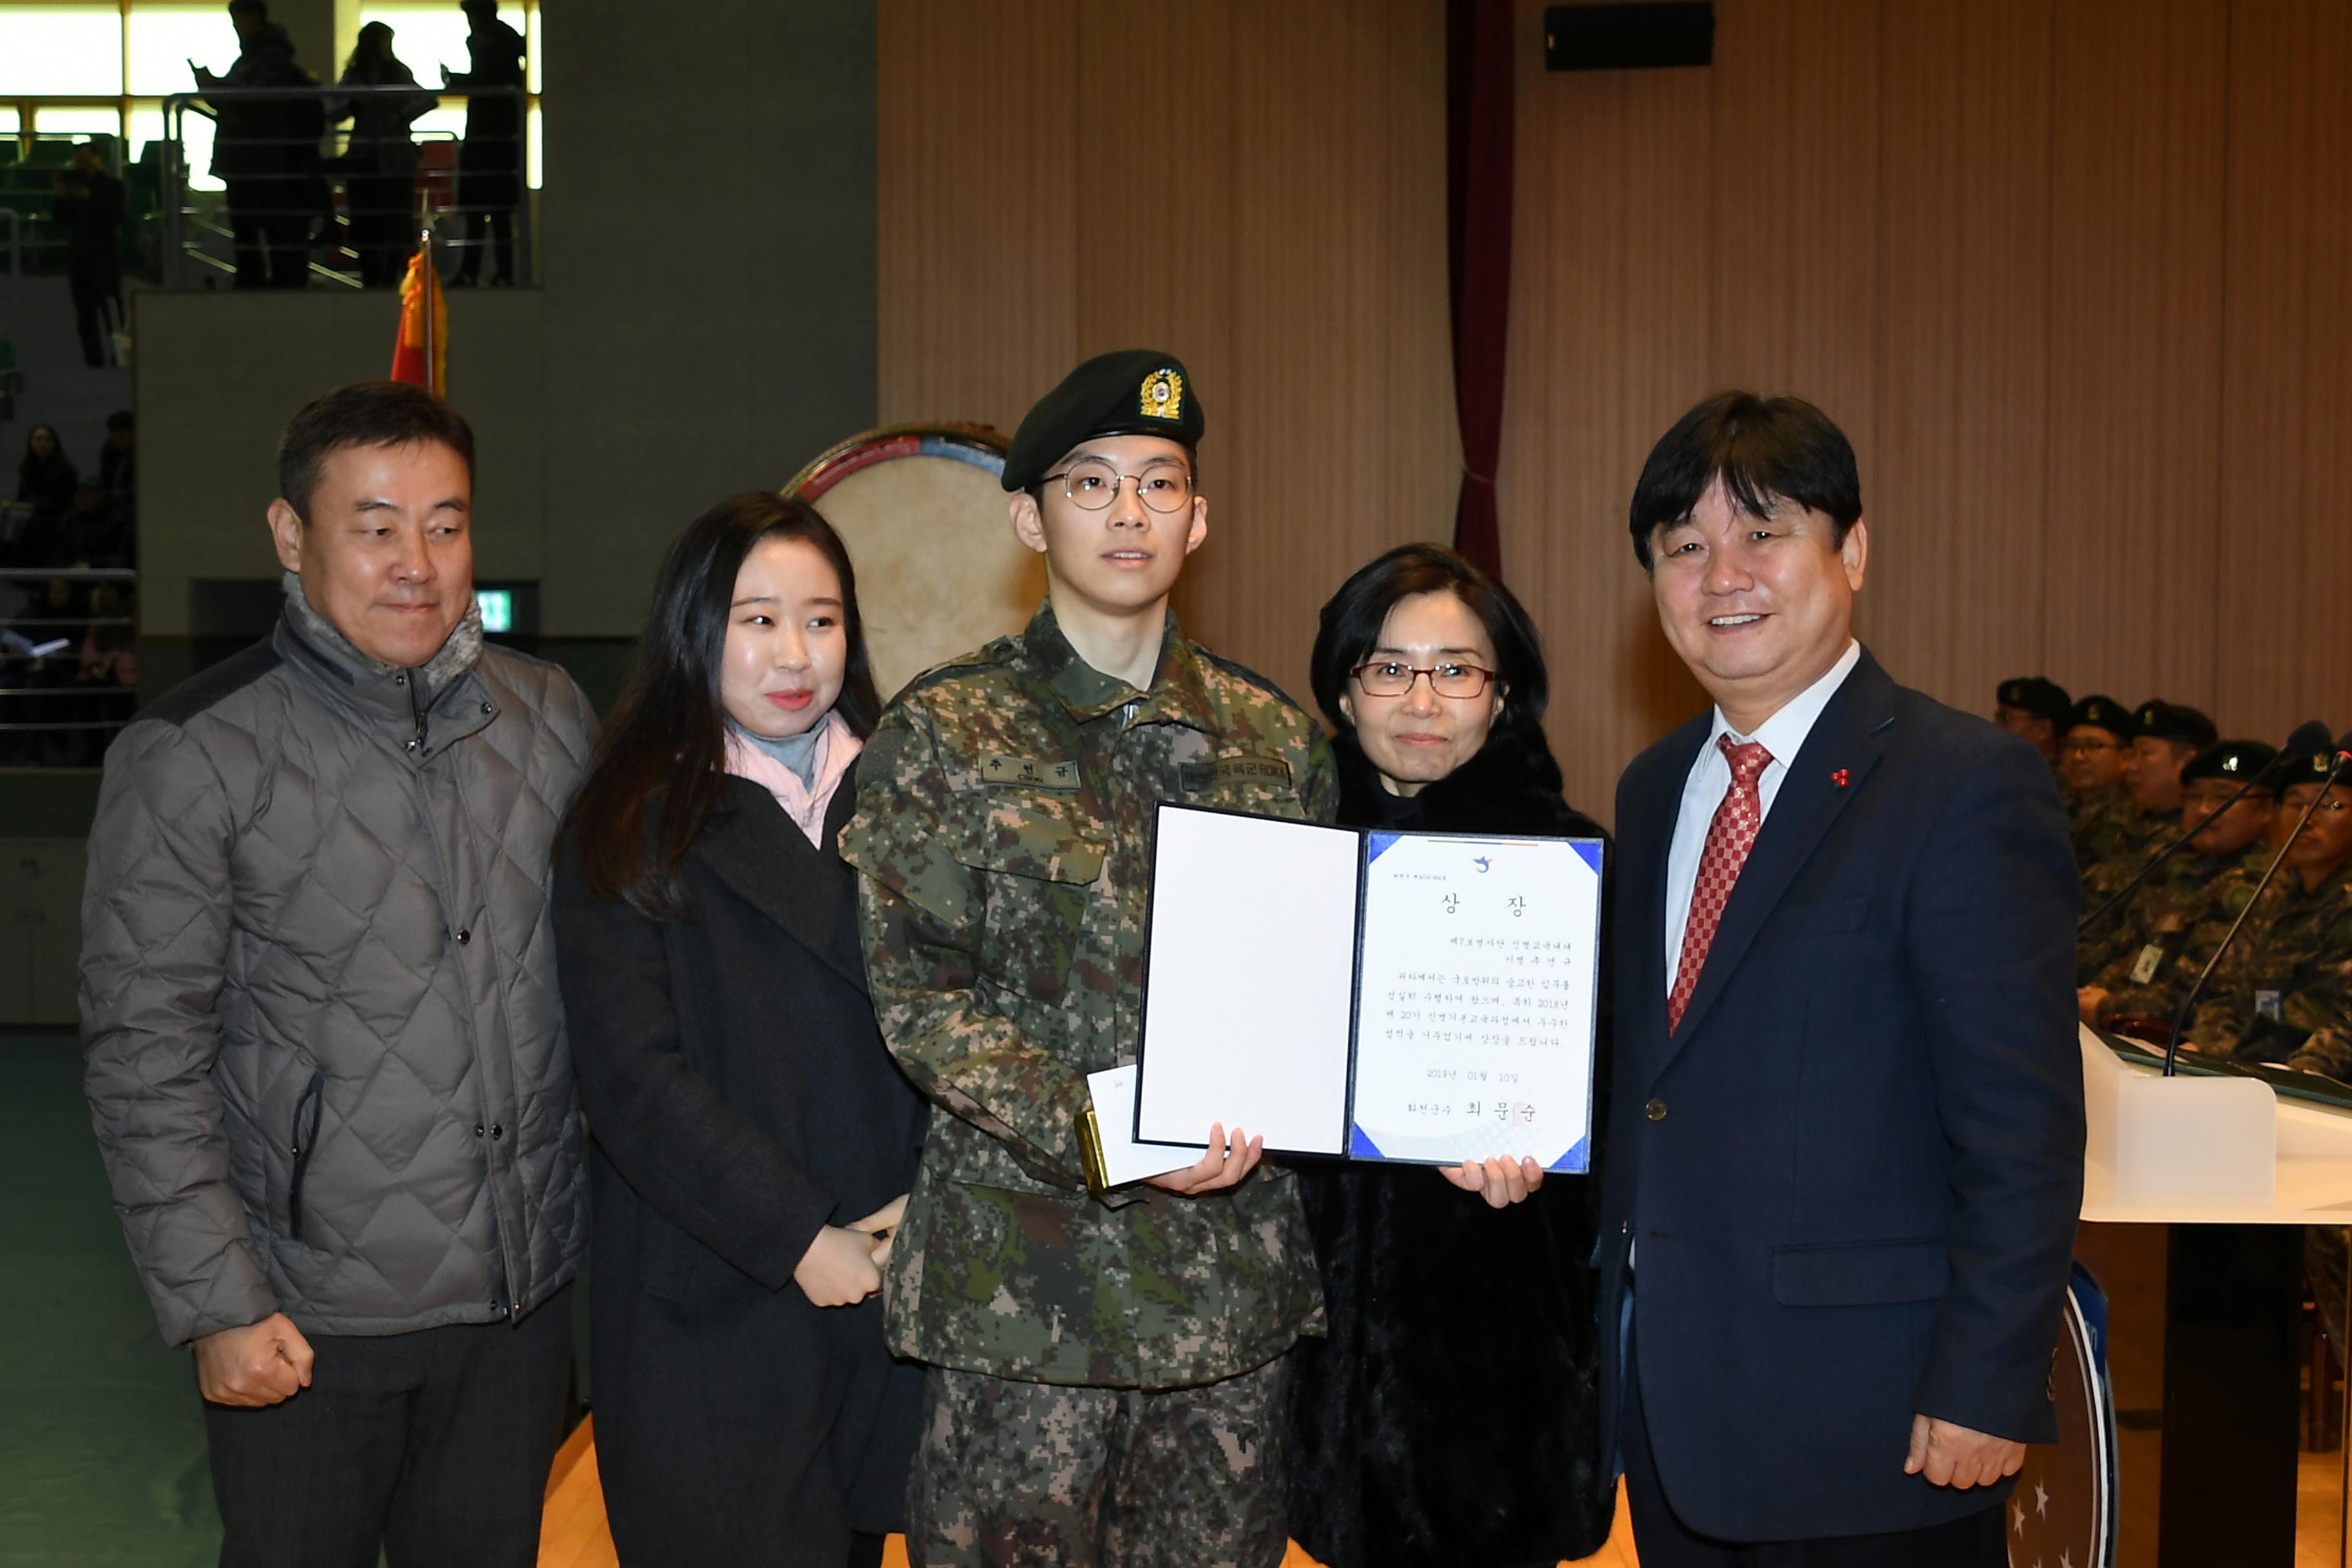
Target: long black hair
x=657, y=772
x=370, y=55
x=1351, y=623
x=35, y=472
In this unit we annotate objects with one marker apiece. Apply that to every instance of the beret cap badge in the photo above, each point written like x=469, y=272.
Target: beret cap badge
x=1162, y=396
x=1126, y=392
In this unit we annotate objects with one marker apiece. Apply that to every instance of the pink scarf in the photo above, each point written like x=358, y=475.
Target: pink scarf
x=805, y=804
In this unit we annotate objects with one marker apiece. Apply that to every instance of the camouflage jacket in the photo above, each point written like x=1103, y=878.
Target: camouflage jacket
x=2278, y=991
x=2171, y=926
x=2106, y=825
x=1003, y=830
x=2134, y=836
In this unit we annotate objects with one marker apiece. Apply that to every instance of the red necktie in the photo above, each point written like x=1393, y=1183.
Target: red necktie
x=1728, y=838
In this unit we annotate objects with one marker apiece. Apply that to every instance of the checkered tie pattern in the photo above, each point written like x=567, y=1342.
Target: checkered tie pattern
x=1728, y=838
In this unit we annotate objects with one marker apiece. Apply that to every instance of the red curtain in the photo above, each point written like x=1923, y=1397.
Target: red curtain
x=1478, y=254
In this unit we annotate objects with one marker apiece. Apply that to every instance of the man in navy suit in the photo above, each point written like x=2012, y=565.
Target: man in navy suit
x=1846, y=1127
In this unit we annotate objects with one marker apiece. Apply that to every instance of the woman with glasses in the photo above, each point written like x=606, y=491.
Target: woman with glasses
x=1451, y=1417
x=2091, y=765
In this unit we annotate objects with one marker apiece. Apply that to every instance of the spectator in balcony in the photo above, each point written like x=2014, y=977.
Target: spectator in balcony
x=108, y=682
x=89, y=205
x=110, y=643
x=89, y=534
x=38, y=654
x=118, y=468
x=258, y=152
x=45, y=479
x=489, y=162
x=379, y=166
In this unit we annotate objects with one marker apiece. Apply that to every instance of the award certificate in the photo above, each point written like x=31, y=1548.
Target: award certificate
x=1417, y=997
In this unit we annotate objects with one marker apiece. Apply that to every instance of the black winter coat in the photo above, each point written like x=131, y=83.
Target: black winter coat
x=740, y=1098
x=1452, y=1416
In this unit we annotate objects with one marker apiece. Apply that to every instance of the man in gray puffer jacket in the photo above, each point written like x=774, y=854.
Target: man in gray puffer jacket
x=326, y=1056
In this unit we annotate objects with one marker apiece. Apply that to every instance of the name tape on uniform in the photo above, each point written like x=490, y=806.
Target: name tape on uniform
x=1030, y=771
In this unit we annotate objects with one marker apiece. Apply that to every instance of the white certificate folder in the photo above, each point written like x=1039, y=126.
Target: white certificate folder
x=1417, y=997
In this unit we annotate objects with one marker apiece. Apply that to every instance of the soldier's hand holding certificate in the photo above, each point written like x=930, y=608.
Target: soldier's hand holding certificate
x=1405, y=996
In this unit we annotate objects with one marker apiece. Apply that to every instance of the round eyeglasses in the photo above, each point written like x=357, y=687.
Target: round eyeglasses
x=1092, y=485
x=1395, y=678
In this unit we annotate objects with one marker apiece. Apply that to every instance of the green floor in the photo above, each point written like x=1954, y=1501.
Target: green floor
x=101, y=1444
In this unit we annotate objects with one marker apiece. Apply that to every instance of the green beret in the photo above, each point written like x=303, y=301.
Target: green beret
x=2101, y=714
x=2233, y=762
x=2033, y=694
x=2171, y=721
x=1128, y=391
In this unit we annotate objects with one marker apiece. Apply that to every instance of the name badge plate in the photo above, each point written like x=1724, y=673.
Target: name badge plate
x=1028, y=772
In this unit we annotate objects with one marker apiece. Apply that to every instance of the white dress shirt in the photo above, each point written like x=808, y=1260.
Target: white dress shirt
x=1783, y=735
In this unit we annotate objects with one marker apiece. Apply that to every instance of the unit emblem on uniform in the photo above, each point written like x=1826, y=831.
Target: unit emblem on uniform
x=1163, y=395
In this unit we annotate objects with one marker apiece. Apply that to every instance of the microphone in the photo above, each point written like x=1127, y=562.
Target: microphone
x=2343, y=749
x=2309, y=736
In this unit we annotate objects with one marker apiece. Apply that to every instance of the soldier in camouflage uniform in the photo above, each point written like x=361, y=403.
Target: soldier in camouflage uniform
x=1108, y=1370
x=2277, y=996
x=2164, y=737
x=2314, y=994
x=2151, y=948
x=2036, y=710
x=2091, y=765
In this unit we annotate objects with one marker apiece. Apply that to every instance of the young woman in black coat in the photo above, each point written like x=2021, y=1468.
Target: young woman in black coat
x=753, y=1142
x=1452, y=1416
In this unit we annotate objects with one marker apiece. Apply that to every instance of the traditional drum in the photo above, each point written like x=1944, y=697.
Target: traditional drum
x=938, y=571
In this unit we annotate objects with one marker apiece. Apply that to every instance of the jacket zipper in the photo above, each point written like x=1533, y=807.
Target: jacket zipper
x=306, y=1138
x=416, y=710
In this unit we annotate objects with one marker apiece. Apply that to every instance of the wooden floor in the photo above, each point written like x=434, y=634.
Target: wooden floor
x=2128, y=1260
x=575, y=1535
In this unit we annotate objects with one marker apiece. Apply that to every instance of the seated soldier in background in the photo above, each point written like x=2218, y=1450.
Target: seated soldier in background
x=2147, y=952
x=2035, y=710
x=2326, y=1001
x=2278, y=995
x=2164, y=737
x=2091, y=766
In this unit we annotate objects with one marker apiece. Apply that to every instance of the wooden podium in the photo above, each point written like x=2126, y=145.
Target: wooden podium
x=2235, y=1172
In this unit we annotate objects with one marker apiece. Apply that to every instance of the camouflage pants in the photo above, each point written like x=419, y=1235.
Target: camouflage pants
x=1034, y=1474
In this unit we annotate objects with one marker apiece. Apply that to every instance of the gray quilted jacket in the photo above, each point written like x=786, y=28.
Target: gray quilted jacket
x=325, y=1052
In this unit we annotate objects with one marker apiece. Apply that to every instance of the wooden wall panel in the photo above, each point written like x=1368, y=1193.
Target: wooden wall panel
x=1302, y=148
x=1161, y=275
x=1961, y=425
x=1341, y=436
x=1794, y=205
x=2285, y=559
x=2076, y=275
x=2135, y=181
x=1609, y=310
x=977, y=171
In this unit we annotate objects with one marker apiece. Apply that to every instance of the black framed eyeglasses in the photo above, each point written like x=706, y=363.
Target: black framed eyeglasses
x=1092, y=485
x=1395, y=678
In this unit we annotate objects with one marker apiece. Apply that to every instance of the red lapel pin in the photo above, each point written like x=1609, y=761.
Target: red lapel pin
x=1839, y=778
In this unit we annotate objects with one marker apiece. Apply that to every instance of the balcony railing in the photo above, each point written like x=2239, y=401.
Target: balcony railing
x=68, y=663
x=306, y=204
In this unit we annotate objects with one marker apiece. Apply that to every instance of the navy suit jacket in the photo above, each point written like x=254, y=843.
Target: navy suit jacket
x=1854, y=1169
